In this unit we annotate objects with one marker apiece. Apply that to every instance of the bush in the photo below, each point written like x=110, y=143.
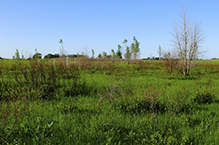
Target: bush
x=204, y=98
x=37, y=56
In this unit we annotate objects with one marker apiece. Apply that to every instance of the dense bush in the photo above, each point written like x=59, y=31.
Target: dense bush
x=204, y=98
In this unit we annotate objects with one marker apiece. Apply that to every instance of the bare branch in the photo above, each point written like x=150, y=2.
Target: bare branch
x=187, y=38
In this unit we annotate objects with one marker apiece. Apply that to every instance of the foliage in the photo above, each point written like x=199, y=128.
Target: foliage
x=104, y=54
x=99, y=56
x=72, y=56
x=92, y=53
x=52, y=55
x=113, y=54
x=135, y=48
x=17, y=55
x=132, y=51
x=128, y=53
x=62, y=51
x=37, y=55
x=119, y=52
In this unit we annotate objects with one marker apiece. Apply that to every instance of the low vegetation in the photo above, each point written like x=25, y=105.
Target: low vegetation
x=100, y=101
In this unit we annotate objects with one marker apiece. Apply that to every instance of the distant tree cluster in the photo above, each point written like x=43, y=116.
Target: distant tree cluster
x=80, y=55
x=17, y=55
x=152, y=58
x=72, y=56
x=52, y=55
x=104, y=55
x=69, y=56
x=37, y=56
x=133, y=51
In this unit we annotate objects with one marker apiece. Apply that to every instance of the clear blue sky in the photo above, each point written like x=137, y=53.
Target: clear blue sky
x=100, y=25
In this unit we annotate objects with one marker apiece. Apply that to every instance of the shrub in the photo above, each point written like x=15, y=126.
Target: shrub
x=204, y=98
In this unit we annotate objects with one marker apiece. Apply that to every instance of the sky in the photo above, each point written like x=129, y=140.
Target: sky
x=100, y=25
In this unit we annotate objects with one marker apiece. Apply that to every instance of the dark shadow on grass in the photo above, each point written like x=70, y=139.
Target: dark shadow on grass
x=143, y=107
x=160, y=108
x=75, y=109
x=191, y=77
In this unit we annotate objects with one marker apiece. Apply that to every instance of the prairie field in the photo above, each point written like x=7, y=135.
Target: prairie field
x=104, y=101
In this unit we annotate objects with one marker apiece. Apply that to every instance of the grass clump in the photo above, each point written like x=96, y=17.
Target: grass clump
x=204, y=98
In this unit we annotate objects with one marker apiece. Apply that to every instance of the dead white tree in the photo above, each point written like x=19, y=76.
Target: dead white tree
x=160, y=52
x=187, y=37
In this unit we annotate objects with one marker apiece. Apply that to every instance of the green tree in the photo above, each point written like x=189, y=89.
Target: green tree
x=113, y=56
x=61, y=41
x=100, y=56
x=22, y=56
x=109, y=56
x=37, y=55
x=135, y=48
x=17, y=55
x=62, y=51
x=104, y=54
x=56, y=55
x=119, y=52
x=92, y=53
x=128, y=53
x=48, y=56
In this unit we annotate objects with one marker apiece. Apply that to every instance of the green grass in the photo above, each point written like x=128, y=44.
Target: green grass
x=116, y=103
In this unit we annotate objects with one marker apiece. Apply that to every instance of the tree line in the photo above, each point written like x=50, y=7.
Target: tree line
x=130, y=52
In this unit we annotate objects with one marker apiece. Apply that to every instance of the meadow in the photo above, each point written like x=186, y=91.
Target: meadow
x=100, y=101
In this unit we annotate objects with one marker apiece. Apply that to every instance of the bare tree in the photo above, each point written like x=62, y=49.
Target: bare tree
x=160, y=52
x=62, y=51
x=170, y=60
x=187, y=38
x=86, y=53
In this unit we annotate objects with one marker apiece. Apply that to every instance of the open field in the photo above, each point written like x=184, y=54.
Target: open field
x=105, y=102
